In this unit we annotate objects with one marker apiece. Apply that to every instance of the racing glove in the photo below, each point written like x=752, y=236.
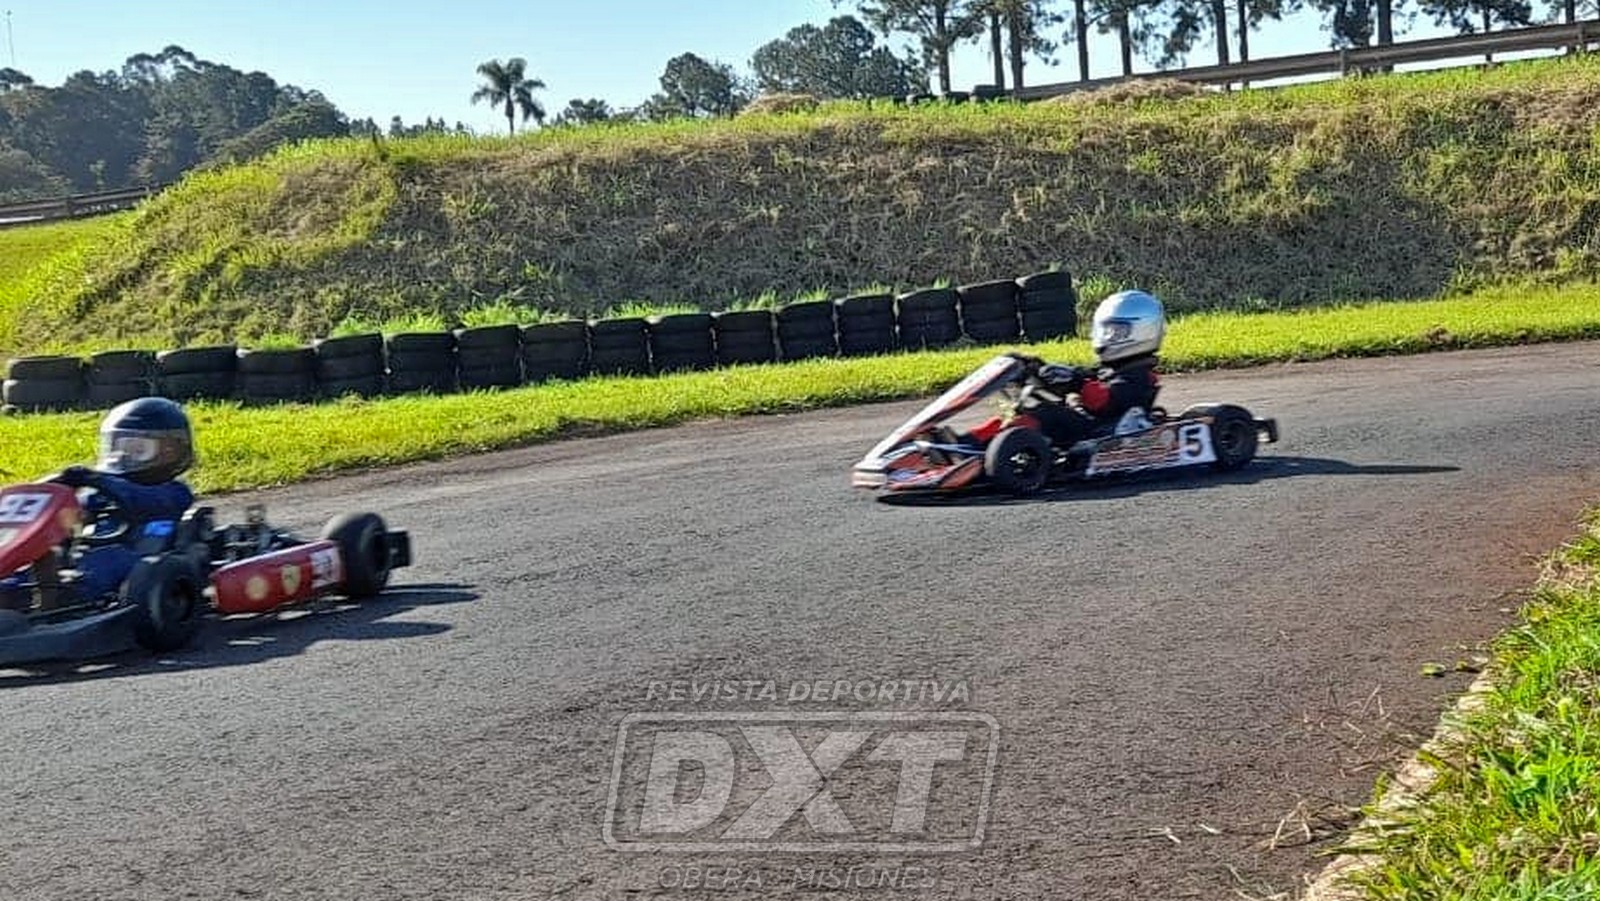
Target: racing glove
x=1063, y=378
x=76, y=477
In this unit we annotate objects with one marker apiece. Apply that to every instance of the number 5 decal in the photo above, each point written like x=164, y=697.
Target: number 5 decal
x=22, y=508
x=1194, y=443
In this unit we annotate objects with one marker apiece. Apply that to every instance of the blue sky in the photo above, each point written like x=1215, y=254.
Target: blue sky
x=416, y=59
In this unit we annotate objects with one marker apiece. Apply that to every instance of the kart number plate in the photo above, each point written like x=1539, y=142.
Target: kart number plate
x=20, y=509
x=326, y=568
x=1177, y=444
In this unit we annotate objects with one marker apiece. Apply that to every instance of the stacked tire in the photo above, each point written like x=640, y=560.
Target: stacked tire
x=554, y=350
x=44, y=384
x=866, y=324
x=928, y=318
x=421, y=361
x=806, y=330
x=489, y=356
x=619, y=347
x=351, y=364
x=277, y=375
x=989, y=311
x=118, y=376
x=744, y=336
x=682, y=341
x=1048, y=305
x=197, y=373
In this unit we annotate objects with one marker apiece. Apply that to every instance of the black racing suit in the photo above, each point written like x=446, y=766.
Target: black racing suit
x=1103, y=398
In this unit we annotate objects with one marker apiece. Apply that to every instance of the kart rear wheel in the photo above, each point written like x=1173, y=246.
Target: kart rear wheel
x=364, y=551
x=1018, y=461
x=167, y=603
x=1233, y=434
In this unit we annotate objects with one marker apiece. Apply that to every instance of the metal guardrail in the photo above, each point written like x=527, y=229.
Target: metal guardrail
x=74, y=206
x=1578, y=35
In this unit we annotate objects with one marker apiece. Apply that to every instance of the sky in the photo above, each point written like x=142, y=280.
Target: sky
x=417, y=59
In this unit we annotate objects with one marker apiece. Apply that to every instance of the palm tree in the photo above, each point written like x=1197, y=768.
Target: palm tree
x=507, y=84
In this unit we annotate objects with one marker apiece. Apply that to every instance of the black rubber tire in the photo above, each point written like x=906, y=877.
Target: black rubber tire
x=928, y=318
x=619, y=347
x=482, y=359
x=1233, y=434
x=806, y=330
x=196, y=385
x=362, y=386
x=421, y=343
x=299, y=361
x=866, y=325
x=1045, y=325
x=363, y=552
x=1048, y=300
x=1055, y=280
x=554, y=350
x=989, y=311
x=430, y=380
x=273, y=387
x=167, y=600
x=116, y=366
x=45, y=368
x=505, y=374
x=490, y=339
x=1018, y=461
x=336, y=369
x=682, y=341
x=358, y=346
x=195, y=360
x=40, y=395
x=105, y=395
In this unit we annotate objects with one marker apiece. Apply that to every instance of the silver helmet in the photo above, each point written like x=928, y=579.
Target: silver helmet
x=1128, y=324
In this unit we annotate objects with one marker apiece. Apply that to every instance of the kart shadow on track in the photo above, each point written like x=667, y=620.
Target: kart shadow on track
x=240, y=641
x=1263, y=469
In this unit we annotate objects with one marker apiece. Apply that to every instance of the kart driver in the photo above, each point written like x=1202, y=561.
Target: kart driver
x=145, y=445
x=1126, y=336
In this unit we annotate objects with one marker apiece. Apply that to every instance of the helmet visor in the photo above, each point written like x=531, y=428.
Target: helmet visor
x=128, y=451
x=1113, y=331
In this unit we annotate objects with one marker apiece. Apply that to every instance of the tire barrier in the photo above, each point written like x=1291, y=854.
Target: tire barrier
x=421, y=361
x=928, y=318
x=989, y=311
x=44, y=384
x=489, y=356
x=271, y=376
x=744, y=336
x=806, y=330
x=619, y=347
x=866, y=324
x=352, y=364
x=555, y=350
x=681, y=341
x=1038, y=307
x=1048, y=306
x=197, y=373
x=117, y=376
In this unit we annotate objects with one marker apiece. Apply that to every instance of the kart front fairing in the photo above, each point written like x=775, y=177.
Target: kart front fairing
x=910, y=439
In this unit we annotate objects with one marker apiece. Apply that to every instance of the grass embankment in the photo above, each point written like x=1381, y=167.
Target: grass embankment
x=244, y=448
x=1405, y=186
x=1513, y=813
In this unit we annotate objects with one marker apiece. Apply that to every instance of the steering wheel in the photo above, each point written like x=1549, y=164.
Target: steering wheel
x=102, y=507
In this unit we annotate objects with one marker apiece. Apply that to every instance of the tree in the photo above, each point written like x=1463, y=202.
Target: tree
x=584, y=112
x=1467, y=16
x=24, y=178
x=1128, y=20
x=691, y=86
x=1350, y=21
x=840, y=59
x=300, y=123
x=1025, y=23
x=508, y=86
x=938, y=25
x=12, y=80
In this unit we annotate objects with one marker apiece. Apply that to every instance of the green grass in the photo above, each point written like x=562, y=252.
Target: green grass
x=1407, y=186
x=26, y=252
x=243, y=448
x=1514, y=813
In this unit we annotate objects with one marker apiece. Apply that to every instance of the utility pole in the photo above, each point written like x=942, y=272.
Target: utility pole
x=11, y=43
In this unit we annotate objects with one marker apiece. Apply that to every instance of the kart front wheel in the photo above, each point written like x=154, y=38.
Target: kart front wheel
x=364, y=551
x=1018, y=461
x=167, y=602
x=1233, y=433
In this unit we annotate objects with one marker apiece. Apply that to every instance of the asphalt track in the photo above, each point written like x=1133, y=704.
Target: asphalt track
x=1194, y=679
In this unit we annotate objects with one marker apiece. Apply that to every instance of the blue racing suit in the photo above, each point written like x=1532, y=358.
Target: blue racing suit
x=152, y=510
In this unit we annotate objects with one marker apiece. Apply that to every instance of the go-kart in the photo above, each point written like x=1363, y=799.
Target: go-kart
x=185, y=570
x=1011, y=454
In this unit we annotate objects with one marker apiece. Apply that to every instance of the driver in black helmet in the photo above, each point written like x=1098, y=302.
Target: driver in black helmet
x=145, y=445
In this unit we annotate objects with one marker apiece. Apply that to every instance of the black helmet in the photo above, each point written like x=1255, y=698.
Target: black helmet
x=147, y=441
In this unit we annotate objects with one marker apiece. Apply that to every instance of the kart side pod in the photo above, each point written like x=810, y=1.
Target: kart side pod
x=278, y=579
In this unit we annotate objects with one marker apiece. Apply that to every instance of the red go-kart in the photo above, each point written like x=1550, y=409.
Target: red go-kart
x=184, y=572
x=1009, y=452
